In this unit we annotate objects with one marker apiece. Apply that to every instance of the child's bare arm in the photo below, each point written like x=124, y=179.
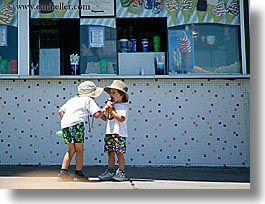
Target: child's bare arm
x=117, y=116
x=100, y=114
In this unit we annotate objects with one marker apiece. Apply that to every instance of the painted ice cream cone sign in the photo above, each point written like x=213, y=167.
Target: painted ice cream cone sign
x=7, y=2
x=171, y=7
x=61, y=8
x=210, y=7
x=201, y=9
x=60, y=12
x=186, y=9
x=6, y=15
x=232, y=11
x=193, y=5
x=181, y=57
x=46, y=8
x=185, y=50
x=219, y=12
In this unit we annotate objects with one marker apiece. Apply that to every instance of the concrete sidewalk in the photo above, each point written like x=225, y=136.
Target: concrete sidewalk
x=45, y=177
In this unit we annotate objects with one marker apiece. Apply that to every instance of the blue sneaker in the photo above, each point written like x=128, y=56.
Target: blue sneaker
x=106, y=176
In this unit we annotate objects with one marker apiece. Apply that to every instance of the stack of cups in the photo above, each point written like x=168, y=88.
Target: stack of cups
x=103, y=66
x=133, y=45
x=13, y=66
x=156, y=43
x=124, y=45
x=145, y=45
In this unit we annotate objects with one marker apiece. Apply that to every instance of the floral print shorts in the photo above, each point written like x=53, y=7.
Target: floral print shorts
x=74, y=134
x=115, y=143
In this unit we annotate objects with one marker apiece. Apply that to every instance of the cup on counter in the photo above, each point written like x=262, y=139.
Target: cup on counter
x=160, y=64
x=156, y=43
x=103, y=66
x=3, y=66
x=145, y=46
x=13, y=66
x=124, y=45
x=133, y=43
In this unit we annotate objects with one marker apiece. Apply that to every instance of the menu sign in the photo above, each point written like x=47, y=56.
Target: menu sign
x=97, y=8
x=3, y=36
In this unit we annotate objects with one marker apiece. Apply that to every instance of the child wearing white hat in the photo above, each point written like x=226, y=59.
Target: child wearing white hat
x=116, y=130
x=73, y=114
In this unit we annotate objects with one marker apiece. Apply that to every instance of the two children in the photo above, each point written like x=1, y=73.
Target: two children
x=73, y=114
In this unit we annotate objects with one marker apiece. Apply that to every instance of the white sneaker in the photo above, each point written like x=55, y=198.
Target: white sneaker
x=106, y=176
x=119, y=176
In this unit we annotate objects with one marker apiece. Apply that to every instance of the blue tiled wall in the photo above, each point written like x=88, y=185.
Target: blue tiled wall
x=177, y=122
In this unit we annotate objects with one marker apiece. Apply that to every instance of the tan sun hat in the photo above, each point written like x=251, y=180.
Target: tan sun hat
x=88, y=88
x=120, y=85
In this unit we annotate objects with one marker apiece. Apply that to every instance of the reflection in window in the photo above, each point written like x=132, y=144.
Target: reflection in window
x=99, y=58
x=8, y=49
x=216, y=48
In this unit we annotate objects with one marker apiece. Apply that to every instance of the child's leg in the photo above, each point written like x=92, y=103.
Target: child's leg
x=121, y=161
x=79, y=147
x=111, y=160
x=68, y=156
x=120, y=173
x=79, y=176
x=120, y=151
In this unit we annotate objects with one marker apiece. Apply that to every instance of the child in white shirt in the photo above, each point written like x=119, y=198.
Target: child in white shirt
x=73, y=115
x=116, y=130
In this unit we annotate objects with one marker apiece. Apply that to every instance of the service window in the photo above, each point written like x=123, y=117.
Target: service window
x=208, y=37
x=98, y=53
x=205, y=49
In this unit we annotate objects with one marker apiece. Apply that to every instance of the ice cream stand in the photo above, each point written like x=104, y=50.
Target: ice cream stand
x=189, y=99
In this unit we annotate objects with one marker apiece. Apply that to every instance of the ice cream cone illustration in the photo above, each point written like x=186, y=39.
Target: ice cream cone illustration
x=229, y=18
x=210, y=7
x=216, y=19
x=218, y=12
x=201, y=10
x=185, y=58
x=186, y=13
x=60, y=8
x=171, y=7
x=184, y=46
x=186, y=9
x=193, y=5
x=60, y=13
x=7, y=13
x=232, y=11
x=7, y=2
x=47, y=8
x=200, y=15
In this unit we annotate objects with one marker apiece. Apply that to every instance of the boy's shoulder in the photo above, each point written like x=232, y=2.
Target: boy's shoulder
x=74, y=99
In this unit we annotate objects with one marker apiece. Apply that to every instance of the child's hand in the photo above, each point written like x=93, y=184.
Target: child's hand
x=109, y=103
x=106, y=108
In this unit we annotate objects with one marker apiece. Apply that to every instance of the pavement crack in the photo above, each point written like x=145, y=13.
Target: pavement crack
x=132, y=183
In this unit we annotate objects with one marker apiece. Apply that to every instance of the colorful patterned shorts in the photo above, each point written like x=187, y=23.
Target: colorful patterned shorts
x=74, y=134
x=115, y=143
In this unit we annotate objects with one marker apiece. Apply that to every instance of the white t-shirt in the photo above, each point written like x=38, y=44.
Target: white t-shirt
x=77, y=109
x=116, y=127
